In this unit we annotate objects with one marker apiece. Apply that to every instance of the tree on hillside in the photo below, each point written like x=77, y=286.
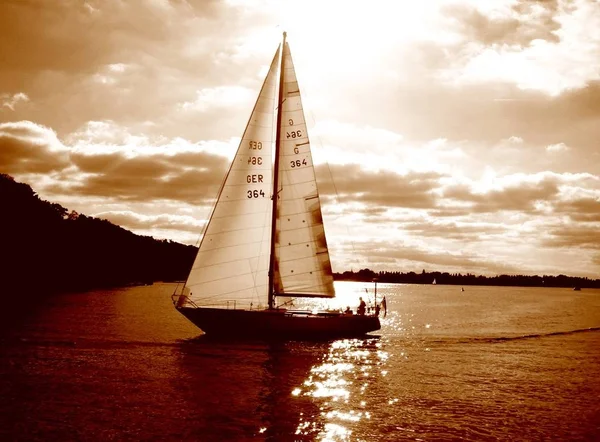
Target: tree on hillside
x=47, y=248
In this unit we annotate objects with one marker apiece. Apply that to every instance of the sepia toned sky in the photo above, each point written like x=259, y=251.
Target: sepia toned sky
x=450, y=135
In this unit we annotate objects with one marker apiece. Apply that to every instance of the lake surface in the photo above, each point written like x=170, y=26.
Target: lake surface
x=489, y=363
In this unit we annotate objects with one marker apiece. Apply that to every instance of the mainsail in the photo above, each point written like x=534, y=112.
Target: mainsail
x=302, y=264
x=230, y=269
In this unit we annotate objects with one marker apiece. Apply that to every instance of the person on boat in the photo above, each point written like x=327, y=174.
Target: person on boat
x=348, y=311
x=377, y=308
x=362, y=306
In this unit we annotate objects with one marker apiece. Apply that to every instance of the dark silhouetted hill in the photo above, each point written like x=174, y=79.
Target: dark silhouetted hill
x=367, y=275
x=44, y=248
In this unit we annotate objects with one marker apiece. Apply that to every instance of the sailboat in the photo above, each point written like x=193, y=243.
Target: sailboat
x=264, y=246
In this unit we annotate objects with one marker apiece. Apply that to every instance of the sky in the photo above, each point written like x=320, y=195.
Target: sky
x=450, y=135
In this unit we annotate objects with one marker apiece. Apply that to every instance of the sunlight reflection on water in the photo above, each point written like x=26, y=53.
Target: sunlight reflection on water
x=341, y=384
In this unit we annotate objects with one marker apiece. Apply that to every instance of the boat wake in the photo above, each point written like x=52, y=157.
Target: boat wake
x=497, y=339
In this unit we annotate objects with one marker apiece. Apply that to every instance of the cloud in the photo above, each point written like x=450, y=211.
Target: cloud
x=221, y=96
x=112, y=162
x=463, y=230
x=136, y=221
x=106, y=160
x=518, y=23
x=580, y=209
x=559, y=147
x=517, y=193
x=145, y=180
x=30, y=148
x=50, y=44
x=348, y=141
x=381, y=188
x=574, y=236
x=113, y=67
x=534, y=46
x=396, y=256
x=8, y=101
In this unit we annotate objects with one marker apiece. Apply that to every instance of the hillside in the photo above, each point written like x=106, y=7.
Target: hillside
x=46, y=248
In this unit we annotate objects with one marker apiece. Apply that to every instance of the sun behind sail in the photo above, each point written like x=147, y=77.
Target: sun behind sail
x=231, y=267
x=303, y=266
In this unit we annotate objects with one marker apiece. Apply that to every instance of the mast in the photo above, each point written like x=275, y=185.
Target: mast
x=271, y=287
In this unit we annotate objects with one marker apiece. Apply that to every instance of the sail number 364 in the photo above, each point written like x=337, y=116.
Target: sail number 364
x=298, y=163
x=255, y=193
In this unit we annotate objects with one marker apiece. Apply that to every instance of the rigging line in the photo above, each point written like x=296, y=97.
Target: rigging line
x=210, y=301
x=295, y=184
x=224, y=278
x=266, y=228
x=233, y=230
x=301, y=243
x=337, y=196
x=221, y=264
x=240, y=185
x=237, y=151
x=203, y=299
x=198, y=242
x=238, y=213
x=315, y=272
x=218, y=295
x=231, y=246
x=312, y=257
x=280, y=101
x=237, y=244
x=295, y=200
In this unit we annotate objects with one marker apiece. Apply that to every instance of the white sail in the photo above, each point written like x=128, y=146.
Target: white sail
x=302, y=258
x=230, y=270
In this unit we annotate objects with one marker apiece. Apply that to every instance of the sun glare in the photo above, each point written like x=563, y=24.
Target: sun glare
x=333, y=34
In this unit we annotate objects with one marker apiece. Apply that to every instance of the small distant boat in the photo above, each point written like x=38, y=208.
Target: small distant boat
x=577, y=288
x=434, y=281
x=462, y=289
x=265, y=244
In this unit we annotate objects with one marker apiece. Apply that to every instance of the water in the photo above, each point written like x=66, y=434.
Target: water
x=490, y=363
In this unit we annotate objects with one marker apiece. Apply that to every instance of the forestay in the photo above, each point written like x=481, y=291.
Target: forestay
x=302, y=258
x=230, y=269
